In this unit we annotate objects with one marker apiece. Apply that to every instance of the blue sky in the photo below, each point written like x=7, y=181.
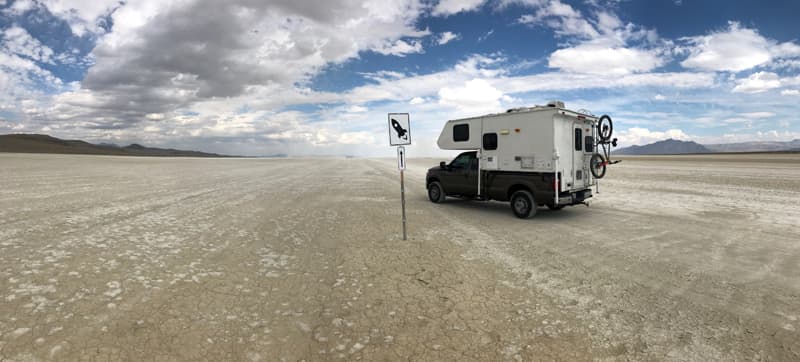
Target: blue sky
x=293, y=76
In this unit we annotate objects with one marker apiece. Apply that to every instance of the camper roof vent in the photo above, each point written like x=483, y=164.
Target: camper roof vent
x=556, y=104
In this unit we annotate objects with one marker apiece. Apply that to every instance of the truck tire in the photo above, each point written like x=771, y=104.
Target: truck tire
x=605, y=128
x=522, y=204
x=436, y=192
x=597, y=166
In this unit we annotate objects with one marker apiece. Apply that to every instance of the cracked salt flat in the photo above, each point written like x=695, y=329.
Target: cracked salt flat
x=244, y=259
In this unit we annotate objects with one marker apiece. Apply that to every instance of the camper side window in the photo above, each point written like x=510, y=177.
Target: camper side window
x=490, y=141
x=578, y=139
x=461, y=133
x=589, y=145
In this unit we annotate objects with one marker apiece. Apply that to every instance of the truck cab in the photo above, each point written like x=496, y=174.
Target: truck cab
x=460, y=175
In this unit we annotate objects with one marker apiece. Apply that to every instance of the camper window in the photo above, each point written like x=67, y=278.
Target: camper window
x=490, y=141
x=588, y=144
x=578, y=139
x=461, y=133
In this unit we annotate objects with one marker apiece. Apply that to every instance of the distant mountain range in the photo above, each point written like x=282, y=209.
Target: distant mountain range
x=793, y=145
x=677, y=147
x=38, y=143
x=666, y=147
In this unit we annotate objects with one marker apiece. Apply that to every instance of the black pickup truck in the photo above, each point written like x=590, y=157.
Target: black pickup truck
x=525, y=190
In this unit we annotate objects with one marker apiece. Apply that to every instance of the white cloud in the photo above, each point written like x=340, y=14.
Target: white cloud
x=603, y=44
x=22, y=79
x=83, y=17
x=791, y=64
x=562, y=18
x=18, y=41
x=659, y=97
x=357, y=109
x=735, y=49
x=447, y=37
x=597, y=59
x=399, y=48
x=450, y=7
x=149, y=64
x=642, y=136
x=786, y=50
x=486, y=36
x=790, y=92
x=416, y=100
x=790, y=81
x=757, y=82
x=492, y=71
x=476, y=95
x=19, y=7
x=761, y=114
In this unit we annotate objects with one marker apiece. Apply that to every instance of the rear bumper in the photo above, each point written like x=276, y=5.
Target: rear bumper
x=572, y=198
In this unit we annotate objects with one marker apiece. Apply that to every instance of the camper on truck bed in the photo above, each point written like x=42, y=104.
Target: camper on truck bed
x=535, y=156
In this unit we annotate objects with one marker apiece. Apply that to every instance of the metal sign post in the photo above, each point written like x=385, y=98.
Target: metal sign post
x=400, y=135
x=401, y=164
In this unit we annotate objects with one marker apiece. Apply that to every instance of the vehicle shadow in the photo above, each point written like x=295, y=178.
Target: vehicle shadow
x=503, y=208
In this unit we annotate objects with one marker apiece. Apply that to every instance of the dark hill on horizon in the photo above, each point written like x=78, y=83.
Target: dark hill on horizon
x=665, y=147
x=39, y=143
x=756, y=146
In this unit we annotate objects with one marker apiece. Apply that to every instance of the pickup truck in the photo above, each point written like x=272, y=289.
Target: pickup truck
x=525, y=190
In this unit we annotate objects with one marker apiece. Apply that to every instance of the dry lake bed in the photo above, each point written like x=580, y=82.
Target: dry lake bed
x=124, y=258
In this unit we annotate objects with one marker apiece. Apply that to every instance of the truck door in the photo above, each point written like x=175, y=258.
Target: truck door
x=581, y=156
x=461, y=175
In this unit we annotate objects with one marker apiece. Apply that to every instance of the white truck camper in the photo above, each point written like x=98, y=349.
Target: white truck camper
x=532, y=156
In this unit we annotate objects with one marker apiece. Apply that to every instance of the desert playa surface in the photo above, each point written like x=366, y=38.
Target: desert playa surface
x=677, y=258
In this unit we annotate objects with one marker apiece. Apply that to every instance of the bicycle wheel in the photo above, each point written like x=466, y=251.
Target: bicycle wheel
x=604, y=128
x=597, y=165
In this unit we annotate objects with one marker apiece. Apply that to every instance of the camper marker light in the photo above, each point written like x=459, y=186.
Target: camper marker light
x=516, y=130
x=504, y=131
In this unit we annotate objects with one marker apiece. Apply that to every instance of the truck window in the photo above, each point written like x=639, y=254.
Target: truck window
x=588, y=146
x=461, y=133
x=578, y=139
x=463, y=160
x=490, y=141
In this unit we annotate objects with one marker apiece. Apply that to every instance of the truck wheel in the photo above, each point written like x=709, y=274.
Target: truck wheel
x=436, y=192
x=522, y=204
x=597, y=166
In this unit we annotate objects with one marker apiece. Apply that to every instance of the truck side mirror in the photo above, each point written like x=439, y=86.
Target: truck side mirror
x=442, y=165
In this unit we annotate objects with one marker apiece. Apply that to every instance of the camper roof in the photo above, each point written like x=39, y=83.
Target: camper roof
x=552, y=105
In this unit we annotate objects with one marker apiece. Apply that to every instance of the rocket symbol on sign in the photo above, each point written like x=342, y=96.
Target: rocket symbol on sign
x=401, y=132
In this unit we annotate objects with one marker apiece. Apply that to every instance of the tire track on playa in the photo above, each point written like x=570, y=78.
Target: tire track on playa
x=643, y=308
x=651, y=308
x=533, y=327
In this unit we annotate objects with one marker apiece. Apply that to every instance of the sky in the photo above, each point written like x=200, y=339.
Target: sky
x=304, y=77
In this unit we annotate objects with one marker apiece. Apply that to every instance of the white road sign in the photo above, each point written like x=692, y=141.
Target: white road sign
x=399, y=129
x=401, y=158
